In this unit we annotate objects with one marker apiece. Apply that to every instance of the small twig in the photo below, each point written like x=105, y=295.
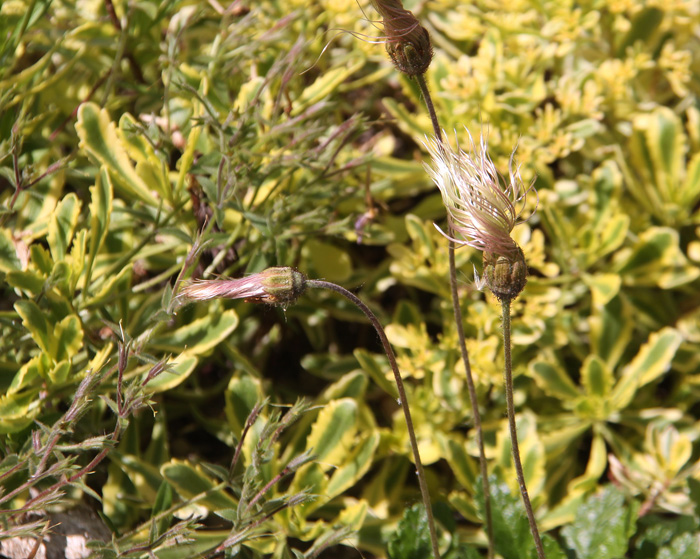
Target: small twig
x=403, y=400
x=457, y=310
x=508, y=377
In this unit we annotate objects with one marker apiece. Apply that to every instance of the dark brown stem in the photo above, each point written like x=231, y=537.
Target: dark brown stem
x=402, y=399
x=457, y=309
x=508, y=377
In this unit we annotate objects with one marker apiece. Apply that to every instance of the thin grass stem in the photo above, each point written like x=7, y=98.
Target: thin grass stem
x=402, y=399
x=508, y=377
x=457, y=309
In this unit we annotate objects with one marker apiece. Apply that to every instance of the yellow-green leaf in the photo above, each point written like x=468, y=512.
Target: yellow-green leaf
x=653, y=359
x=98, y=136
x=62, y=226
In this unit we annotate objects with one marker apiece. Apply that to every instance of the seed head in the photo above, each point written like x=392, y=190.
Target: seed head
x=276, y=286
x=481, y=210
x=407, y=41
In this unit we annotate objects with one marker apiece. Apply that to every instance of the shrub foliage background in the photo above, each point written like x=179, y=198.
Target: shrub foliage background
x=142, y=143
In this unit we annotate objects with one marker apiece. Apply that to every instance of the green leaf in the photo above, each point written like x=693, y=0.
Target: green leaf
x=685, y=546
x=333, y=432
x=603, y=526
x=101, y=195
x=510, y=526
x=611, y=331
x=554, y=381
x=604, y=287
x=653, y=359
x=241, y=395
x=34, y=321
x=189, y=482
x=412, y=537
x=200, y=335
x=69, y=337
x=29, y=282
x=62, y=226
x=327, y=261
x=8, y=254
x=596, y=377
x=370, y=365
x=164, y=500
x=355, y=466
x=99, y=138
x=325, y=84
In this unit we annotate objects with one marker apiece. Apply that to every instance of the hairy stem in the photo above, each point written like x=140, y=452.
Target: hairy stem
x=508, y=376
x=402, y=399
x=462, y=342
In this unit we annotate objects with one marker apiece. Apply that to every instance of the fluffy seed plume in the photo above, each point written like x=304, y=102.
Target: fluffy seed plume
x=277, y=286
x=483, y=207
x=407, y=41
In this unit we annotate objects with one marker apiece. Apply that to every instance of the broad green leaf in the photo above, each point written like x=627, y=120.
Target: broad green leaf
x=464, y=466
x=596, y=377
x=178, y=369
x=611, y=331
x=197, y=544
x=603, y=287
x=643, y=26
x=327, y=261
x=325, y=84
x=685, y=546
x=241, y=395
x=60, y=372
x=653, y=359
x=148, y=166
x=656, y=260
x=200, y=335
x=554, y=381
x=99, y=138
x=33, y=320
x=62, y=226
x=370, y=365
x=355, y=466
x=29, y=282
x=603, y=526
x=69, y=337
x=333, y=432
x=412, y=537
x=597, y=462
x=510, y=526
x=613, y=234
x=8, y=253
x=691, y=187
x=18, y=410
x=190, y=482
x=101, y=194
x=163, y=501
x=33, y=371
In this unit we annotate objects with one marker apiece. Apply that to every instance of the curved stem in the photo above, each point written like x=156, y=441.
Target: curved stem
x=457, y=310
x=508, y=376
x=402, y=397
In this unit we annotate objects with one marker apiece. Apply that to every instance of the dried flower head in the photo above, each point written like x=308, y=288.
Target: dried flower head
x=407, y=41
x=277, y=286
x=483, y=207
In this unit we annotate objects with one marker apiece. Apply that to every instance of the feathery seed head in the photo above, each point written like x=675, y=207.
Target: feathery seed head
x=277, y=286
x=483, y=207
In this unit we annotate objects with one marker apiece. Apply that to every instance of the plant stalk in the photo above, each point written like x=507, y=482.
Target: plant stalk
x=508, y=377
x=457, y=309
x=402, y=399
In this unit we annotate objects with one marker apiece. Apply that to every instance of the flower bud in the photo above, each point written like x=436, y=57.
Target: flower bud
x=506, y=277
x=276, y=286
x=407, y=41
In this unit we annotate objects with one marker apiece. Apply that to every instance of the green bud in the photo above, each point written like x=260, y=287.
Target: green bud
x=506, y=277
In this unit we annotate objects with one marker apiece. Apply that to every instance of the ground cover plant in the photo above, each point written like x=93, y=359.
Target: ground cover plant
x=147, y=144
